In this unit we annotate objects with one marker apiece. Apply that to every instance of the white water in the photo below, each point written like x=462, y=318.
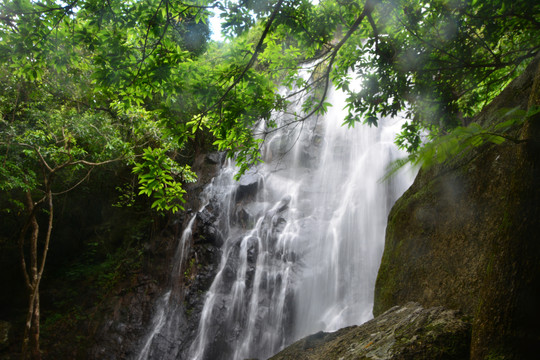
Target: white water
x=166, y=320
x=302, y=254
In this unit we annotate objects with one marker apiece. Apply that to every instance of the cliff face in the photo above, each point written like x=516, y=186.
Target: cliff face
x=466, y=236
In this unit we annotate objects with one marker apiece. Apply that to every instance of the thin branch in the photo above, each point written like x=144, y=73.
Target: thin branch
x=504, y=136
x=488, y=19
x=89, y=163
x=375, y=30
x=258, y=49
x=217, y=4
x=77, y=184
x=41, y=158
x=368, y=9
x=144, y=55
x=66, y=8
x=22, y=236
x=47, y=241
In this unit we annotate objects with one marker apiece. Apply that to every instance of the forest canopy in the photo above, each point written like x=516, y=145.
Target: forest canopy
x=146, y=74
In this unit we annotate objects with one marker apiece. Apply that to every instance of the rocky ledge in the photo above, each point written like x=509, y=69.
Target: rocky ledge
x=401, y=333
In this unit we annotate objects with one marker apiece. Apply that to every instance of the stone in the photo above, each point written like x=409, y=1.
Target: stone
x=206, y=229
x=465, y=236
x=407, y=332
x=214, y=158
x=248, y=185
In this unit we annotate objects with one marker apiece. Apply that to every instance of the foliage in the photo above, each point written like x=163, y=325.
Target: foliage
x=462, y=139
x=436, y=61
x=85, y=86
x=89, y=80
x=157, y=178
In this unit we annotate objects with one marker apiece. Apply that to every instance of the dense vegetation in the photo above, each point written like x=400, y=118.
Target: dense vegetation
x=91, y=88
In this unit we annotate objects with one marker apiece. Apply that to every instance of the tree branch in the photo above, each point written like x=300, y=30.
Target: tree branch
x=252, y=60
x=368, y=9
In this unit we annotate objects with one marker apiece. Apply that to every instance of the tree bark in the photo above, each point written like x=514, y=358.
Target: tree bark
x=31, y=276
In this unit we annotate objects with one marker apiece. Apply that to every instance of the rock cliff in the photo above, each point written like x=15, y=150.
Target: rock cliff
x=125, y=318
x=466, y=236
x=463, y=237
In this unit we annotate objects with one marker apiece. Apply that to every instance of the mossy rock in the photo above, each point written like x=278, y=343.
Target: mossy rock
x=465, y=236
x=402, y=333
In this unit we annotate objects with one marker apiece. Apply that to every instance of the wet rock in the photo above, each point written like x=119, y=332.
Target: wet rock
x=307, y=157
x=252, y=250
x=290, y=256
x=121, y=333
x=278, y=224
x=408, y=332
x=242, y=216
x=247, y=186
x=214, y=158
x=277, y=147
x=127, y=316
x=284, y=203
x=206, y=229
x=255, y=209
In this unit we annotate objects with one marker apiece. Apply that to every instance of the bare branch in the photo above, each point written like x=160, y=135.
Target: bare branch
x=368, y=9
x=47, y=241
x=89, y=163
x=258, y=49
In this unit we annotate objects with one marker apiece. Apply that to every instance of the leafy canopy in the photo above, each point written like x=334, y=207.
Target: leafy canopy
x=144, y=74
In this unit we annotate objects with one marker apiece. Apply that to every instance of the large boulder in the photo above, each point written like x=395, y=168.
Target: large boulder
x=466, y=236
x=407, y=332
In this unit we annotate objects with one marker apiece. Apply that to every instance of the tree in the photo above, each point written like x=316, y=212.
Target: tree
x=57, y=126
x=440, y=61
x=436, y=62
x=48, y=149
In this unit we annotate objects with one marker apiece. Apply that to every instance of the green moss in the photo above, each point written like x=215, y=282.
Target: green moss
x=388, y=278
x=506, y=222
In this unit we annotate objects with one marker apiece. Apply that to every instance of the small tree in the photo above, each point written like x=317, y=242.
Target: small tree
x=66, y=110
x=48, y=154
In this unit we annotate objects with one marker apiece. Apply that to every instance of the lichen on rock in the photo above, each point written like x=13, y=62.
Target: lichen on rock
x=407, y=332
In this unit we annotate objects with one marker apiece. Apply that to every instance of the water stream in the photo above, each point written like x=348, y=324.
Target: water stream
x=304, y=234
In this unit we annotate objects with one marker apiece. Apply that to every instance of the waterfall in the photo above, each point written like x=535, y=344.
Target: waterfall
x=165, y=323
x=303, y=237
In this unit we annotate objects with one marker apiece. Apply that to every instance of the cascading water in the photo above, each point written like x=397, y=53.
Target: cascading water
x=304, y=237
x=162, y=341
x=166, y=320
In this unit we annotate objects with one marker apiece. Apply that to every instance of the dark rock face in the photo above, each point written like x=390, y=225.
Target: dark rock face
x=206, y=229
x=126, y=317
x=408, y=332
x=465, y=236
x=248, y=185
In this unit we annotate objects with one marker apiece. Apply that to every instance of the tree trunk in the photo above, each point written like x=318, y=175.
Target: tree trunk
x=34, y=336
x=29, y=274
x=30, y=347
